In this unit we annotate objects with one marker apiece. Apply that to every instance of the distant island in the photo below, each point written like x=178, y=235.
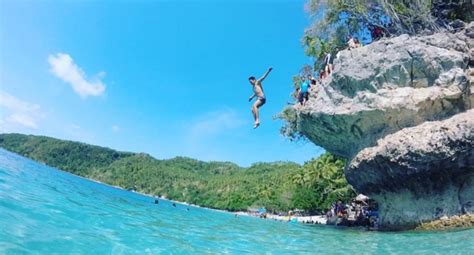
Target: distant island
x=277, y=186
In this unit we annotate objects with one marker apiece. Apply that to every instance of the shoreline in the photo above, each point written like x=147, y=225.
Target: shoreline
x=317, y=219
x=445, y=223
x=299, y=219
x=454, y=222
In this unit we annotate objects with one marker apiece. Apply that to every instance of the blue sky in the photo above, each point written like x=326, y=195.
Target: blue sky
x=164, y=77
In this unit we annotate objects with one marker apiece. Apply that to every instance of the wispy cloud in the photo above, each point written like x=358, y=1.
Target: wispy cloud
x=63, y=67
x=16, y=112
x=215, y=123
x=205, y=136
x=115, y=128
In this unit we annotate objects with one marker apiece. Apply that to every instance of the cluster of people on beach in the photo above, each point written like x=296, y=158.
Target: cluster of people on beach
x=361, y=211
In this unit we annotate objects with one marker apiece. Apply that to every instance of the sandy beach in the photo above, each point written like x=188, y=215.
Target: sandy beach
x=317, y=219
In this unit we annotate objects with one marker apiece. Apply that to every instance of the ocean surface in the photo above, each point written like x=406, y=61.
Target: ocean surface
x=47, y=211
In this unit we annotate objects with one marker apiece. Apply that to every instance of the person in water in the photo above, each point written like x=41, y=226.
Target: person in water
x=258, y=92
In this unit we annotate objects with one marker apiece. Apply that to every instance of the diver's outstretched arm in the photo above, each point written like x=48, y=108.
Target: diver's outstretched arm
x=265, y=75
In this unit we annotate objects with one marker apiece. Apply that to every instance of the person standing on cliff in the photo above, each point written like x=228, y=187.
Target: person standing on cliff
x=303, y=91
x=258, y=92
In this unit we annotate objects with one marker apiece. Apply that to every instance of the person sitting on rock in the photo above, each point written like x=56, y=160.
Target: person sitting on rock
x=376, y=33
x=322, y=75
x=258, y=92
x=357, y=43
x=338, y=54
x=351, y=43
x=312, y=81
x=328, y=63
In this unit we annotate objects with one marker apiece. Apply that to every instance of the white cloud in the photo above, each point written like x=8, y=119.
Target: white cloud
x=23, y=120
x=63, y=67
x=17, y=113
x=115, y=128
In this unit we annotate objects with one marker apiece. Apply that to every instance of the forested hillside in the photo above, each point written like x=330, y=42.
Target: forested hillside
x=277, y=186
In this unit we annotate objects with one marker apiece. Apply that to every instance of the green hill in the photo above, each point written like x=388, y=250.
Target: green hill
x=277, y=186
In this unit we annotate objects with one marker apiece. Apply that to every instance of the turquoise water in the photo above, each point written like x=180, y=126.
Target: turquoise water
x=46, y=211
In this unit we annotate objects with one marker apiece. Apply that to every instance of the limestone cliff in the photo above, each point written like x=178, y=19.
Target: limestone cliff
x=389, y=107
x=419, y=173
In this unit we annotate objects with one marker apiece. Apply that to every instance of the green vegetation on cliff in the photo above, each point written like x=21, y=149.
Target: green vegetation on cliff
x=336, y=19
x=277, y=186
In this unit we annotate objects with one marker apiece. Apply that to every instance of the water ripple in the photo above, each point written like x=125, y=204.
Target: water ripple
x=46, y=211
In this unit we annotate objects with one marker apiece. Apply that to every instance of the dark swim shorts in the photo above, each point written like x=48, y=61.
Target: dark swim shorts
x=263, y=100
x=302, y=96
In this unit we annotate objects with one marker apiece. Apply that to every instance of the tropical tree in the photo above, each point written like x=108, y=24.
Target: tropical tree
x=325, y=178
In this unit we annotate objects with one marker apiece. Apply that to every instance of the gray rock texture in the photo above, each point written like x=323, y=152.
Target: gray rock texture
x=399, y=109
x=419, y=173
x=386, y=86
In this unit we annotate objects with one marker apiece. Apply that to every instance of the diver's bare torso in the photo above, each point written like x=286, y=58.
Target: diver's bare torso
x=258, y=89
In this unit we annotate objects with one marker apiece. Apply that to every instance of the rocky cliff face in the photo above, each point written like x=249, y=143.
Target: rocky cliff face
x=389, y=107
x=420, y=173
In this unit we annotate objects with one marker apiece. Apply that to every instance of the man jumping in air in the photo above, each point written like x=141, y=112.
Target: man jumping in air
x=258, y=92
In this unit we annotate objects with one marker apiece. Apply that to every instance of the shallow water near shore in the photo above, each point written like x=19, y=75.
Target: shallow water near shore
x=44, y=210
